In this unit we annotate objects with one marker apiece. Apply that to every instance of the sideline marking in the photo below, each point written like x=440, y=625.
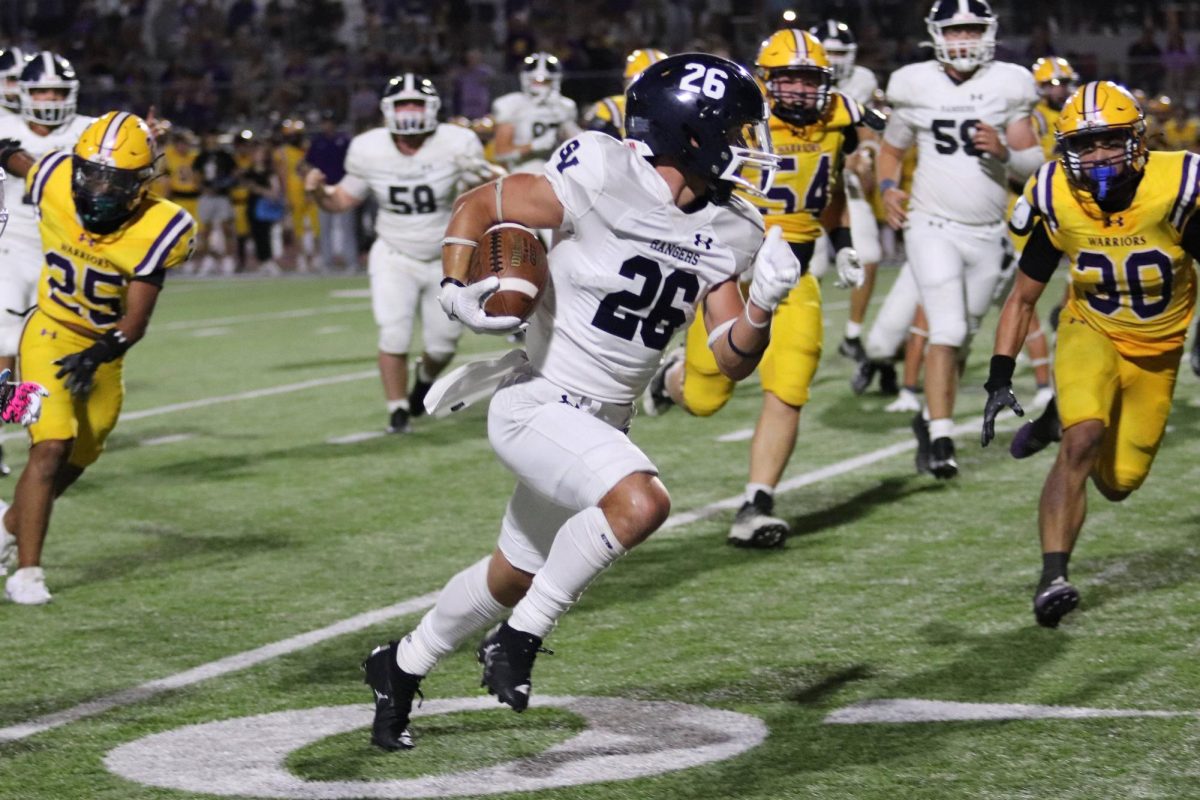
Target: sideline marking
x=208, y=333
x=348, y=293
x=170, y=438
x=624, y=739
x=295, y=313
x=740, y=435
x=910, y=710
x=355, y=438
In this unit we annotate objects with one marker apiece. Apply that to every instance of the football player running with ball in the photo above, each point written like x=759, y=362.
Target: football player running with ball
x=646, y=229
x=969, y=117
x=812, y=128
x=108, y=245
x=1125, y=220
x=415, y=167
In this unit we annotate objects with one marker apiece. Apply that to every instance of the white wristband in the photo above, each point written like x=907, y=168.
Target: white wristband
x=459, y=240
x=757, y=325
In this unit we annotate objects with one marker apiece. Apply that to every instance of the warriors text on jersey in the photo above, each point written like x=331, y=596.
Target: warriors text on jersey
x=955, y=180
x=415, y=192
x=1130, y=276
x=86, y=275
x=533, y=121
x=629, y=269
x=810, y=166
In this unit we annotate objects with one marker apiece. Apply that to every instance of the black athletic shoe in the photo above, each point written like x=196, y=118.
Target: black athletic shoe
x=1034, y=437
x=1053, y=602
x=887, y=380
x=394, y=691
x=941, y=458
x=416, y=398
x=657, y=400
x=507, y=656
x=920, y=429
x=860, y=381
x=852, y=348
x=755, y=525
x=398, y=422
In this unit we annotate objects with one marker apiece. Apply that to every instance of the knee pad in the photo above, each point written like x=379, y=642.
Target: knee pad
x=395, y=339
x=952, y=333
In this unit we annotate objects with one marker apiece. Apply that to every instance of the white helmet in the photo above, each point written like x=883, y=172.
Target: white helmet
x=840, y=45
x=541, y=75
x=963, y=56
x=410, y=88
x=12, y=61
x=48, y=71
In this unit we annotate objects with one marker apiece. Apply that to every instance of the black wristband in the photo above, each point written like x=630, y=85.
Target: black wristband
x=111, y=346
x=1000, y=372
x=840, y=238
x=454, y=281
x=739, y=351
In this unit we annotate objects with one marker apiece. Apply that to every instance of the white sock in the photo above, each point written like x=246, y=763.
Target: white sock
x=584, y=547
x=464, y=607
x=853, y=329
x=941, y=428
x=754, y=488
x=392, y=405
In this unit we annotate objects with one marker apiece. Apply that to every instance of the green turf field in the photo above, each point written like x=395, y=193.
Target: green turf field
x=228, y=523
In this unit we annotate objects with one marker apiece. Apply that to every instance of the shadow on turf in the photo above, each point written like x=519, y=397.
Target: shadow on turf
x=325, y=362
x=859, y=505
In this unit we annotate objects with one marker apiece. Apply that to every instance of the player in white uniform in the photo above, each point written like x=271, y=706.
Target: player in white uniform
x=970, y=119
x=415, y=167
x=12, y=61
x=532, y=123
x=647, y=229
x=860, y=84
x=47, y=88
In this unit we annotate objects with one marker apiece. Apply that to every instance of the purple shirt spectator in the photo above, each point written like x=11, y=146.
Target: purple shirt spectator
x=327, y=151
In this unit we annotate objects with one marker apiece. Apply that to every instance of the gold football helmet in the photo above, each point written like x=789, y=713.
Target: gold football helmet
x=796, y=70
x=637, y=61
x=1056, y=79
x=112, y=166
x=1101, y=115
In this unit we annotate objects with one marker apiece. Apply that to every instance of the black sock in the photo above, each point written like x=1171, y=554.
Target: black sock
x=1054, y=565
x=1046, y=427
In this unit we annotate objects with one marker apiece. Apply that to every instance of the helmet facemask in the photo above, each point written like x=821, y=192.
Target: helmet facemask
x=106, y=196
x=841, y=58
x=410, y=106
x=752, y=162
x=964, y=54
x=541, y=77
x=799, y=95
x=1104, y=177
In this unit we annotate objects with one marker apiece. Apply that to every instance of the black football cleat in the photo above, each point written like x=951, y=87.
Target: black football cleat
x=920, y=429
x=394, y=691
x=1054, y=601
x=888, y=384
x=657, y=400
x=756, y=526
x=864, y=373
x=416, y=398
x=398, y=421
x=852, y=348
x=941, y=458
x=507, y=656
x=1034, y=437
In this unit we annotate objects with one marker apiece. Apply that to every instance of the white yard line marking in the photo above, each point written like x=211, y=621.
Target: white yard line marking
x=355, y=438
x=740, y=435
x=910, y=710
x=204, y=333
x=295, y=313
x=348, y=293
x=325, y=330
x=170, y=438
x=251, y=658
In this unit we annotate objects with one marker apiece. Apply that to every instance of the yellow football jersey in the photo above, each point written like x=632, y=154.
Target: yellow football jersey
x=810, y=167
x=85, y=275
x=607, y=113
x=1182, y=135
x=1044, y=117
x=1130, y=277
x=181, y=178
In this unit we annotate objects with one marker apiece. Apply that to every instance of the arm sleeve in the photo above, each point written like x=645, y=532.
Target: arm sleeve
x=1040, y=257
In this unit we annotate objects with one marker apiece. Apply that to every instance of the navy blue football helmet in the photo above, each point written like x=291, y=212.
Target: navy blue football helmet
x=840, y=45
x=12, y=61
x=47, y=70
x=707, y=115
x=963, y=55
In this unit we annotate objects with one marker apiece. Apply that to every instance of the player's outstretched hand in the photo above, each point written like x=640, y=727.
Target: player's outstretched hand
x=314, y=179
x=776, y=271
x=465, y=304
x=20, y=402
x=999, y=397
x=78, y=371
x=849, y=269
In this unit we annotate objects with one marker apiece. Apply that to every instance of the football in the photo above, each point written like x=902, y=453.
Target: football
x=515, y=255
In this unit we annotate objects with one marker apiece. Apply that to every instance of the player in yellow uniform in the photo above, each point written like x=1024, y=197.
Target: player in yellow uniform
x=243, y=156
x=1125, y=220
x=608, y=114
x=182, y=182
x=1056, y=79
x=812, y=128
x=108, y=244
x=290, y=167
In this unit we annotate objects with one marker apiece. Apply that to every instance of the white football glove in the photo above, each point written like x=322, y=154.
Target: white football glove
x=776, y=271
x=465, y=304
x=849, y=269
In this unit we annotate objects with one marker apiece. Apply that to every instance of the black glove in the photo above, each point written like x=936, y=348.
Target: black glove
x=1000, y=395
x=8, y=149
x=80, y=368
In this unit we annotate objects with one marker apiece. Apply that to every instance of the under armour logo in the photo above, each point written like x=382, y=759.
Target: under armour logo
x=704, y=241
x=1111, y=221
x=566, y=402
x=976, y=97
x=88, y=240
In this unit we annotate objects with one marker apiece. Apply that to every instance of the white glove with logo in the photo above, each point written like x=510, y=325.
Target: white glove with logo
x=776, y=271
x=849, y=269
x=465, y=304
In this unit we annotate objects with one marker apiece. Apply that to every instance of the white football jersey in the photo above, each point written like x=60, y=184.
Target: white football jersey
x=860, y=85
x=953, y=179
x=627, y=270
x=21, y=244
x=415, y=193
x=533, y=120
